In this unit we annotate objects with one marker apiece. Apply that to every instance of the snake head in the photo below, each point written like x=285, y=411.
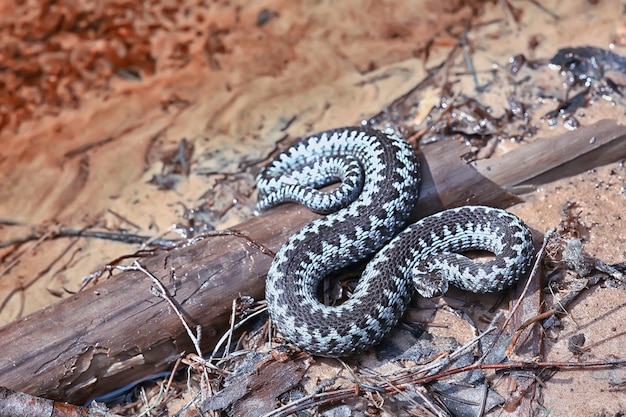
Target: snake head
x=429, y=282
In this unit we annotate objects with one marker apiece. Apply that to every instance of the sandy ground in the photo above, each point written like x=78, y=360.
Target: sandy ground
x=94, y=115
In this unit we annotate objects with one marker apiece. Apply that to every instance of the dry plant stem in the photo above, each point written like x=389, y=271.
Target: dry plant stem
x=313, y=400
x=467, y=57
x=195, y=361
x=431, y=407
x=124, y=219
x=163, y=293
x=190, y=403
x=171, y=378
x=96, y=234
x=532, y=320
x=150, y=406
x=529, y=366
x=428, y=405
x=483, y=403
x=228, y=334
x=37, y=277
x=547, y=11
x=510, y=17
x=534, y=274
x=232, y=327
x=38, y=242
x=194, y=337
x=144, y=400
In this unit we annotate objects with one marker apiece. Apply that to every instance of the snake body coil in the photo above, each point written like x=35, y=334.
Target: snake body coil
x=379, y=187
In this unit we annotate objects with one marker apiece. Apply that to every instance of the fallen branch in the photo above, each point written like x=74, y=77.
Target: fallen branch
x=20, y=404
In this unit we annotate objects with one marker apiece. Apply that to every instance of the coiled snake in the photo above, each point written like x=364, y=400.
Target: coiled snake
x=379, y=178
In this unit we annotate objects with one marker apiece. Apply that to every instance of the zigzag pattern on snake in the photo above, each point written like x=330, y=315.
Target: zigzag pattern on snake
x=379, y=177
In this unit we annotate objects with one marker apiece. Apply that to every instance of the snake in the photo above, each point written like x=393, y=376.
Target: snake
x=376, y=181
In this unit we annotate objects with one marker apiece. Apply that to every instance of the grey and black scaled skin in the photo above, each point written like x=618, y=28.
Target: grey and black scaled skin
x=379, y=176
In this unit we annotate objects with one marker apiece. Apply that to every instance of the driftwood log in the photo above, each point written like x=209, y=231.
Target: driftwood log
x=118, y=332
